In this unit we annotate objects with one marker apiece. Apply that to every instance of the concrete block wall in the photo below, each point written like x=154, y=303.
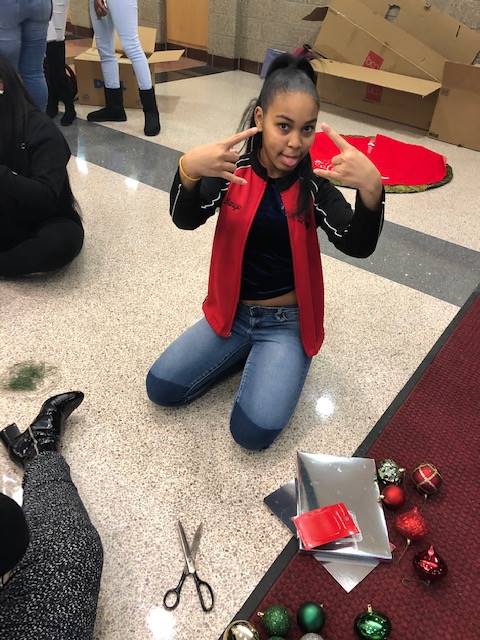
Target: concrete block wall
x=279, y=24
x=223, y=28
x=245, y=28
x=274, y=23
x=466, y=11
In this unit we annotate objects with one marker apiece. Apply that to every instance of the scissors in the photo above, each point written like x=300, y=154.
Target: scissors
x=171, y=598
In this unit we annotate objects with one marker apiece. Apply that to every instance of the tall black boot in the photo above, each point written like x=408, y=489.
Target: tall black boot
x=58, y=84
x=150, y=110
x=50, y=55
x=113, y=110
x=44, y=432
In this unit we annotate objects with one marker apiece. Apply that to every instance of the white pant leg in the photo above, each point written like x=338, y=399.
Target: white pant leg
x=56, y=26
x=124, y=14
x=104, y=35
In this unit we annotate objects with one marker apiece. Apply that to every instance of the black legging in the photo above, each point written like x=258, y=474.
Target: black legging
x=52, y=593
x=52, y=246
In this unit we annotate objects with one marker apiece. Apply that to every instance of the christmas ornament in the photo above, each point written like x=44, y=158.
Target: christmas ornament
x=276, y=638
x=429, y=565
x=275, y=620
x=412, y=525
x=389, y=472
x=393, y=496
x=426, y=478
x=311, y=636
x=241, y=630
x=372, y=625
x=310, y=616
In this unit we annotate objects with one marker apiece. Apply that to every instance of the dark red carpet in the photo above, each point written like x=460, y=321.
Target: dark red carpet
x=439, y=422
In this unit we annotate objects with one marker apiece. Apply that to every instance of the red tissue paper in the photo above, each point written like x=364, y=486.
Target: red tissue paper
x=324, y=525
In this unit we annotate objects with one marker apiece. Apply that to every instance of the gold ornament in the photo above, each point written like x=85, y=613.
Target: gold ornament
x=241, y=630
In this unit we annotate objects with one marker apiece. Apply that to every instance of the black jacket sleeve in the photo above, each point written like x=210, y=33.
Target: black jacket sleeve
x=191, y=209
x=36, y=195
x=354, y=233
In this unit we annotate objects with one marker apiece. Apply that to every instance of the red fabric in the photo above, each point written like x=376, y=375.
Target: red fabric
x=227, y=255
x=438, y=422
x=399, y=163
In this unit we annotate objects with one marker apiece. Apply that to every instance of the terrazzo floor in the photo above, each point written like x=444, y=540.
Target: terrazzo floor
x=136, y=286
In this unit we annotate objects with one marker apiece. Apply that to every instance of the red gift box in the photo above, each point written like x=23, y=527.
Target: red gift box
x=323, y=525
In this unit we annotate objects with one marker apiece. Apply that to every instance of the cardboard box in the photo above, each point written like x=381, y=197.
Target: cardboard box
x=457, y=114
x=378, y=93
x=413, y=44
x=442, y=33
x=352, y=33
x=90, y=77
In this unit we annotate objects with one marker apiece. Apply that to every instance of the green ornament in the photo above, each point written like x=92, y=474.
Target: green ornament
x=276, y=638
x=372, y=625
x=275, y=620
x=310, y=617
x=389, y=472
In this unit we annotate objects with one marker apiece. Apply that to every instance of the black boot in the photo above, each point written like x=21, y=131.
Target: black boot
x=59, y=87
x=113, y=111
x=44, y=432
x=150, y=109
x=52, y=105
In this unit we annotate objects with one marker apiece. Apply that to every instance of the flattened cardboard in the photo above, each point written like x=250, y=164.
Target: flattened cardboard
x=457, y=115
x=442, y=33
x=379, y=93
x=90, y=77
x=352, y=33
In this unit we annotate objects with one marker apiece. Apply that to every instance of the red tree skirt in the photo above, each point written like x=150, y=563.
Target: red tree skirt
x=399, y=163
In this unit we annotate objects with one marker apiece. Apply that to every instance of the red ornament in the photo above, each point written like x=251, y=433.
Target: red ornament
x=429, y=565
x=393, y=496
x=426, y=478
x=411, y=524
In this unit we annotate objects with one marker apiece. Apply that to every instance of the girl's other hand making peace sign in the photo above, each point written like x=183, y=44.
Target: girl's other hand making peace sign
x=215, y=160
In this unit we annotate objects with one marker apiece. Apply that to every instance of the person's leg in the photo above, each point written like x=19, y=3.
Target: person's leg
x=54, y=245
x=59, y=88
x=52, y=593
x=272, y=379
x=105, y=39
x=104, y=35
x=195, y=362
x=10, y=31
x=124, y=14
x=125, y=18
x=32, y=53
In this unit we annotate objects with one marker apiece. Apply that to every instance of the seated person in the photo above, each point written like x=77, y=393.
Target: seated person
x=40, y=228
x=51, y=555
x=264, y=306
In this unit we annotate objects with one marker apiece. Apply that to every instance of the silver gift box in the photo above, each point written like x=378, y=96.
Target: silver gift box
x=324, y=480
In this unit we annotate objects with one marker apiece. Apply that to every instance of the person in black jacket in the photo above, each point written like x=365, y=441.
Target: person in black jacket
x=40, y=227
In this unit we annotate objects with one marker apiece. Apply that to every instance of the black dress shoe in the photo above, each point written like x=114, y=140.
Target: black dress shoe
x=45, y=431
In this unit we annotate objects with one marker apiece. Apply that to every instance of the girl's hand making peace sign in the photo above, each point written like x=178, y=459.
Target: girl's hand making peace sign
x=215, y=160
x=353, y=169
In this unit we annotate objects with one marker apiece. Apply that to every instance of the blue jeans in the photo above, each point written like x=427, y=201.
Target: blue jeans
x=23, y=40
x=265, y=342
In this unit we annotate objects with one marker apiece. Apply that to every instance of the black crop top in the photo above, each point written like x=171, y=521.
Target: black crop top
x=267, y=261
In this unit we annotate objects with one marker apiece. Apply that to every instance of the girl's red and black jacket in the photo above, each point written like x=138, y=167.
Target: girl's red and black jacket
x=354, y=232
